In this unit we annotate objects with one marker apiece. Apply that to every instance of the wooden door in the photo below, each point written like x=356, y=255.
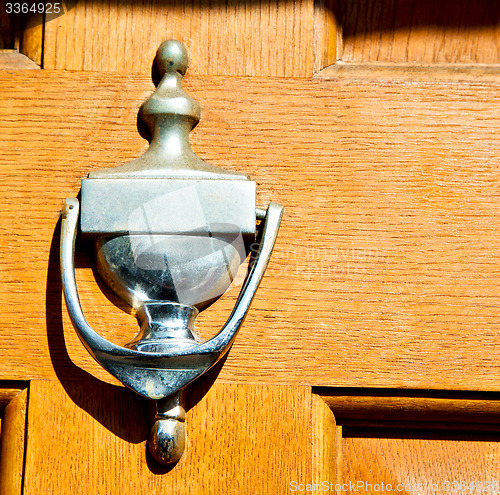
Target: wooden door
x=369, y=358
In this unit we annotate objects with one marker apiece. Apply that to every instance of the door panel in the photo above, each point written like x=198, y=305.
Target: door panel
x=90, y=437
x=417, y=31
x=406, y=459
x=385, y=272
x=414, y=441
x=124, y=36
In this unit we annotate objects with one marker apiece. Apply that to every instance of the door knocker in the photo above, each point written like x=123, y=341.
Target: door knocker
x=170, y=232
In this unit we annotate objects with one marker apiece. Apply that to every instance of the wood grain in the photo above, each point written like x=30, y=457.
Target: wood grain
x=12, y=443
x=420, y=461
x=270, y=38
x=418, y=31
x=385, y=273
x=240, y=439
x=264, y=38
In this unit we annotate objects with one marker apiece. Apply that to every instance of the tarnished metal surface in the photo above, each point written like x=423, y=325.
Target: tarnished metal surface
x=168, y=434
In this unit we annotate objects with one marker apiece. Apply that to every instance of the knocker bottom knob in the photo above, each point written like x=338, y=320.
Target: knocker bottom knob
x=167, y=440
x=168, y=434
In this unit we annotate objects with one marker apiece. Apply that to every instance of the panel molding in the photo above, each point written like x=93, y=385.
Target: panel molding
x=420, y=408
x=13, y=413
x=413, y=32
x=405, y=72
x=13, y=60
x=412, y=440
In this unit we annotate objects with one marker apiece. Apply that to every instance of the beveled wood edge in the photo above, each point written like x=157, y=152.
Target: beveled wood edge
x=337, y=73
x=406, y=72
x=327, y=35
x=13, y=60
x=9, y=390
x=413, y=408
x=324, y=441
x=445, y=427
x=13, y=437
x=31, y=39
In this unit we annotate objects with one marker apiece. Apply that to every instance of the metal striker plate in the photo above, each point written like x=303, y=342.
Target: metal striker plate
x=167, y=206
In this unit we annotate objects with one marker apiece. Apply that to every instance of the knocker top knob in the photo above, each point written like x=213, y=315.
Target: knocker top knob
x=169, y=106
x=172, y=57
x=169, y=114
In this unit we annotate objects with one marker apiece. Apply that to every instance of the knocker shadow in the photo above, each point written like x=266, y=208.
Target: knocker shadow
x=121, y=411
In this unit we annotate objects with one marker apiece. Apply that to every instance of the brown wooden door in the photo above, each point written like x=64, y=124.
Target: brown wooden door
x=369, y=358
